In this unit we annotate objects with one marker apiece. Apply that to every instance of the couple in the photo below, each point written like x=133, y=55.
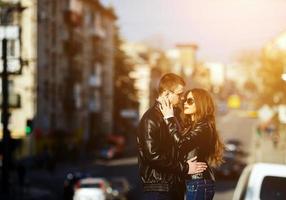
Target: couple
x=175, y=155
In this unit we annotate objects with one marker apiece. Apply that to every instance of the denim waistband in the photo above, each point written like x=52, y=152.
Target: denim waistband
x=199, y=181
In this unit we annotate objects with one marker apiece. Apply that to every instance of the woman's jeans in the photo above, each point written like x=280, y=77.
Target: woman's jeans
x=200, y=189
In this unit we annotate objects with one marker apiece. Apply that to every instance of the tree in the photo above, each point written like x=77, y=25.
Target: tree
x=124, y=89
x=273, y=87
x=264, y=75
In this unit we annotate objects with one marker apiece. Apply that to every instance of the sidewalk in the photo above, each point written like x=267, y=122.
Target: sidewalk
x=264, y=150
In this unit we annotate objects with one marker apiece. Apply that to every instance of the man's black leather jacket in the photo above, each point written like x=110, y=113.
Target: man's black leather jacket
x=158, y=158
x=197, y=141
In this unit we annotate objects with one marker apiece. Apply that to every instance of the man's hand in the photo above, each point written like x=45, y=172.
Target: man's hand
x=196, y=167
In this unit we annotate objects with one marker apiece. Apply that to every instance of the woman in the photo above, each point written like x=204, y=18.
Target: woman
x=200, y=138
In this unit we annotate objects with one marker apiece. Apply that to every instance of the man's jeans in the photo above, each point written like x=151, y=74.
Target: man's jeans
x=200, y=189
x=156, y=196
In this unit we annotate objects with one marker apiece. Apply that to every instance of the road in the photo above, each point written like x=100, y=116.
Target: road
x=49, y=186
x=42, y=184
x=237, y=125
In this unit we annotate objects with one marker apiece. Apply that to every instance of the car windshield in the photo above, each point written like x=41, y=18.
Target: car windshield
x=90, y=185
x=273, y=188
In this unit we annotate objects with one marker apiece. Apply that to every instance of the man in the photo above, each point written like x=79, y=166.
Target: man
x=158, y=157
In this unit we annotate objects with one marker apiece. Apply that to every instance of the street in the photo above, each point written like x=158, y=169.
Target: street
x=237, y=125
x=43, y=184
x=234, y=125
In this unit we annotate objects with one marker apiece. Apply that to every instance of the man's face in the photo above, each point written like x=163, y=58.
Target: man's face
x=176, y=95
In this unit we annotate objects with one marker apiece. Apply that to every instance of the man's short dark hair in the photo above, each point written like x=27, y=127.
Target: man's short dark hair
x=170, y=81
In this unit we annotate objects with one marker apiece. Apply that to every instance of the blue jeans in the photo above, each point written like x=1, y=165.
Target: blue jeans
x=200, y=189
x=156, y=196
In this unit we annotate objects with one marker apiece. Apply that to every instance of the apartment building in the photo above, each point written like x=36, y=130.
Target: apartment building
x=20, y=31
x=75, y=68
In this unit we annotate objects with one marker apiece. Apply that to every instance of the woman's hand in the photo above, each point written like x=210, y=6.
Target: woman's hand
x=166, y=107
x=196, y=167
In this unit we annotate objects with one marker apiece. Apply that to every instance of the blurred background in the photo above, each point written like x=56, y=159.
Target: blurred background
x=77, y=75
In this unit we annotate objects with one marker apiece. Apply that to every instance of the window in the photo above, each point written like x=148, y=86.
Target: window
x=89, y=185
x=11, y=48
x=273, y=187
x=89, y=18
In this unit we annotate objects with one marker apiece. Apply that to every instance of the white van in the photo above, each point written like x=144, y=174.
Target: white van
x=262, y=181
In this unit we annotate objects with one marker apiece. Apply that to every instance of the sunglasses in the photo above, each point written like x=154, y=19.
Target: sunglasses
x=190, y=101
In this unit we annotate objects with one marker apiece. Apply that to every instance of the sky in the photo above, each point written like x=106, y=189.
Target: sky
x=222, y=29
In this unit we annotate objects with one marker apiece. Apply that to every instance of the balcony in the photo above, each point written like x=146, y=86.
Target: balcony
x=14, y=100
x=72, y=18
x=98, y=32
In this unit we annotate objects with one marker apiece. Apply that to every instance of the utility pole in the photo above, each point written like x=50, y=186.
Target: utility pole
x=5, y=111
x=5, y=119
x=5, y=12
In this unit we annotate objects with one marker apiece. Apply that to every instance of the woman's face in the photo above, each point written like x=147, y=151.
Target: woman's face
x=189, y=105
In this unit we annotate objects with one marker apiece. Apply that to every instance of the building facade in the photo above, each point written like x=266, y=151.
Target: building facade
x=141, y=73
x=75, y=68
x=21, y=55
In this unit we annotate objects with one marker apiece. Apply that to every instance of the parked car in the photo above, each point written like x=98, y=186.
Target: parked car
x=114, y=147
x=120, y=188
x=92, y=189
x=71, y=179
x=234, y=161
x=264, y=181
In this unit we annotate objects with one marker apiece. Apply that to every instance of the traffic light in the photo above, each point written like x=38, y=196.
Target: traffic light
x=29, y=127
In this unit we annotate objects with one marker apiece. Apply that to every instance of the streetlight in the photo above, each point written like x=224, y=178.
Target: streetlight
x=6, y=11
x=283, y=76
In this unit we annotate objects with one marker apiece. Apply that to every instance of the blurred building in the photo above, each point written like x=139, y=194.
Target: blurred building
x=149, y=65
x=184, y=62
x=240, y=74
x=217, y=73
x=138, y=53
x=187, y=58
x=75, y=68
x=21, y=55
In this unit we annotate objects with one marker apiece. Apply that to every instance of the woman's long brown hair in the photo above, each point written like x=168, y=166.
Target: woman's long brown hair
x=205, y=110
